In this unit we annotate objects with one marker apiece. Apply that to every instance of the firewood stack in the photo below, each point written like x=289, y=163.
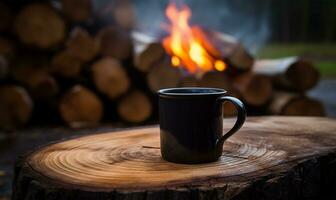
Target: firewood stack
x=63, y=62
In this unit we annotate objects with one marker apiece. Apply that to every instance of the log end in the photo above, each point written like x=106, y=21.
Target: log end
x=65, y=64
x=81, y=45
x=303, y=107
x=77, y=10
x=163, y=75
x=80, y=106
x=135, y=107
x=39, y=25
x=255, y=89
x=115, y=42
x=110, y=77
x=16, y=107
x=146, y=59
x=303, y=75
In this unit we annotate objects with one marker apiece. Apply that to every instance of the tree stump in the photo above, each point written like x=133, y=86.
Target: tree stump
x=269, y=158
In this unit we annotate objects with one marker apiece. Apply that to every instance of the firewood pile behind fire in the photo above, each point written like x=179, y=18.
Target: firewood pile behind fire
x=62, y=62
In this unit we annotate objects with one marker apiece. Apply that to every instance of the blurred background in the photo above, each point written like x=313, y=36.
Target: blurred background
x=72, y=67
x=270, y=29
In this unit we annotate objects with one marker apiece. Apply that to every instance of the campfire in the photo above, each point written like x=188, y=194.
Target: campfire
x=67, y=63
x=187, y=45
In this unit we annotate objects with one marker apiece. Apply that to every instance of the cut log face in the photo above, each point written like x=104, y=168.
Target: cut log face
x=153, y=53
x=135, y=107
x=46, y=88
x=214, y=79
x=241, y=58
x=81, y=45
x=276, y=153
x=285, y=103
x=115, y=42
x=124, y=14
x=110, y=77
x=291, y=73
x=15, y=107
x=255, y=89
x=163, y=75
x=36, y=78
x=80, y=107
x=65, y=64
x=147, y=51
x=39, y=25
x=77, y=10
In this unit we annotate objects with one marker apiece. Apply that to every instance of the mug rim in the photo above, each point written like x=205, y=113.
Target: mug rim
x=170, y=91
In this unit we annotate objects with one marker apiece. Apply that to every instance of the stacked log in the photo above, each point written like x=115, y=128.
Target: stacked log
x=115, y=42
x=79, y=106
x=110, y=78
x=255, y=89
x=39, y=25
x=163, y=75
x=63, y=58
x=147, y=51
x=290, y=73
x=286, y=103
x=135, y=107
x=291, y=77
x=77, y=10
x=15, y=106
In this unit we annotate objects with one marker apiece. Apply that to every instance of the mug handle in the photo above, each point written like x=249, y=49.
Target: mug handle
x=240, y=117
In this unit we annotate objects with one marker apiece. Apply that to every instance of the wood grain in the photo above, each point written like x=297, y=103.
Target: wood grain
x=267, y=152
x=39, y=25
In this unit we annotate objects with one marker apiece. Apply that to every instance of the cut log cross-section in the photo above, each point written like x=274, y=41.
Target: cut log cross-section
x=135, y=107
x=163, y=75
x=39, y=25
x=77, y=10
x=40, y=83
x=115, y=42
x=295, y=160
x=285, y=103
x=65, y=64
x=110, y=77
x=147, y=51
x=255, y=89
x=289, y=73
x=123, y=12
x=79, y=107
x=81, y=45
x=16, y=107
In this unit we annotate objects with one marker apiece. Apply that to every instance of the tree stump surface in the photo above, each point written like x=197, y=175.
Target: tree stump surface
x=269, y=158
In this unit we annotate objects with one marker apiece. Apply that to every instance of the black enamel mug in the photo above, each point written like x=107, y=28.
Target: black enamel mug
x=191, y=123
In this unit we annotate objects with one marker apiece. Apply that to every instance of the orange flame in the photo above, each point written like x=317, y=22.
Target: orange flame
x=186, y=44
